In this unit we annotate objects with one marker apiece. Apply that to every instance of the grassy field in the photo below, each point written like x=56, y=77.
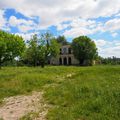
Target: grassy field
x=76, y=93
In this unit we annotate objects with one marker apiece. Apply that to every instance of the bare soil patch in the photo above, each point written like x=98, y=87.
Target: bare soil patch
x=18, y=106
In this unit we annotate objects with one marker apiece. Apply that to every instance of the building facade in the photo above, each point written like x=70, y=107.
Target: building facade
x=65, y=57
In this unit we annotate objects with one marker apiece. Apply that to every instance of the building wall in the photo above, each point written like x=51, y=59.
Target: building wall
x=65, y=57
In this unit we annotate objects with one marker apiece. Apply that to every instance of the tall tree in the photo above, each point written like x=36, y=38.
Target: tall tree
x=41, y=48
x=2, y=50
x=84, y=50
x=62, y=40
x=11, y=46
x=31, y=53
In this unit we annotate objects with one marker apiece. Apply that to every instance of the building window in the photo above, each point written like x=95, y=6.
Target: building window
x=69, y=61
x=64, y=50
x=65, y=61
x=60, y=61
x=60, y=51
x=69, y=50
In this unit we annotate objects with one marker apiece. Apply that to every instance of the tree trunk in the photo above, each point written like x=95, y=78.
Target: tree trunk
x=35, y=63
x=81, y=62
x=42, y=64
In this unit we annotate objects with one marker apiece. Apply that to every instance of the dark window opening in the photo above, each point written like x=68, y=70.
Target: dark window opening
x=48, y=61
x=60, y=61
x=60, y=51
x=69, y=50
x=65, y=61
x=69, y=61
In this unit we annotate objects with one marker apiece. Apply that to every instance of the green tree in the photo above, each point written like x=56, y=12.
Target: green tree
x=54, y=48
x=11, y=46
x=31, y=53
x=2, y=50
x=62, y=40
x=41, y=49
x=49, y=47
x=84, y=49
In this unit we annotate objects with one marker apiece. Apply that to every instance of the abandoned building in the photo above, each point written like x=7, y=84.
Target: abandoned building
x=65, y=57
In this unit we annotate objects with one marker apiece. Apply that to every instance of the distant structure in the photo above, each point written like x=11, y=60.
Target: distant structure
x=65, y=57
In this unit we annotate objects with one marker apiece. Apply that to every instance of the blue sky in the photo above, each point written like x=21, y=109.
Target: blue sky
x=98, y=19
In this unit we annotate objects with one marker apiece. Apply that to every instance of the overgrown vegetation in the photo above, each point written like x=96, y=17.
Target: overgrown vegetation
x=110, y=61
x=75, y=93
x=84, y=49
x=40, y=50
x=30, y=116
x=11, y=46
x=36, y=52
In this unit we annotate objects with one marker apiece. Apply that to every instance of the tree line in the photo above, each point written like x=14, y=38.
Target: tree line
x=33, y=53
x=41, y=48
x=110, y=61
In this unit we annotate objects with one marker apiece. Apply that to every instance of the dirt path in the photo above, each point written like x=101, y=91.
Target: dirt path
x=18, y=106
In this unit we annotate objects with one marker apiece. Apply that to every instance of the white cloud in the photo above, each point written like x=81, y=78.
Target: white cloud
x=75, y=32
x=2, y=19
x=108, y=48
x=62, y=26
x=26, y=36
x=110, y=51
x=117, y=15
x=13, y=21
x=81, y=26
x=52, y=12
x=100, y=42
x=114, y=34
x=22, y=24
x=24, y=28
x=112, y=25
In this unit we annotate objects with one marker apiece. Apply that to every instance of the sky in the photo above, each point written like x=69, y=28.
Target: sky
x=97, y=19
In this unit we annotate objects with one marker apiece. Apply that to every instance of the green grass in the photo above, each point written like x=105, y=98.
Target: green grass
x=76, y=93
x=30, y=116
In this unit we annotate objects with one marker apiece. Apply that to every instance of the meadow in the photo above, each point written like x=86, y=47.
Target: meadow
x=75, y=93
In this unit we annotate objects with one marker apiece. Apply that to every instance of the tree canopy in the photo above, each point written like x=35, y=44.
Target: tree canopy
x=62, y=40
x=84, y=49
x=41, y=49
x=11, y=46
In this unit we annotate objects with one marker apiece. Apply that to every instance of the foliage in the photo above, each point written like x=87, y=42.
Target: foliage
x=54, y=48
x=30, y=116
x=31, y=53
x=84, y=49
x=40, y=49
x=110, y=60
x=2, y=50
x=74, y=93
x=11, y=46
x=62, y=40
